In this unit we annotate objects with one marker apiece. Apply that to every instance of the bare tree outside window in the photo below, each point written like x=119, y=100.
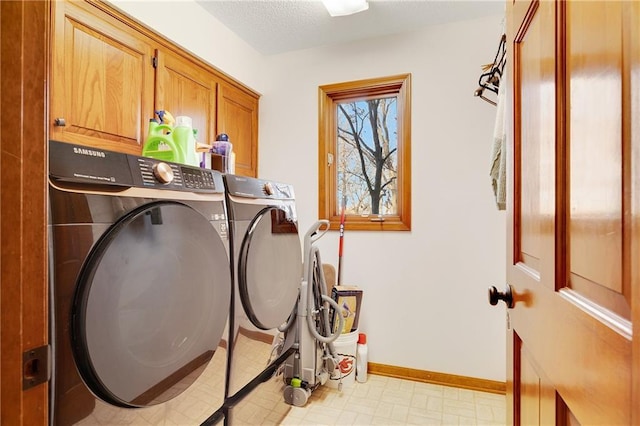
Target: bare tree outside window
x=364, y=153
x=367, y=153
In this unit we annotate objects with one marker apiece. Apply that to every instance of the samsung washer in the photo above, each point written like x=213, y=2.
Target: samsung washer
x=140, y=289
x=267, y=273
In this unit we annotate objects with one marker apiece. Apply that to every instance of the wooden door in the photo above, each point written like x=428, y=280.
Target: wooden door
x=238, y=118
x=24, y=30
x=574, y=212
x=101, y=79
x=184, y=88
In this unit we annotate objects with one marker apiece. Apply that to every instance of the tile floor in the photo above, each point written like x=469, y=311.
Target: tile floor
x=391, y=401
x=380, y=401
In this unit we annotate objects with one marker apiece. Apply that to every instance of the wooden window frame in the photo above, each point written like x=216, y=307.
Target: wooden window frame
x=329, y=96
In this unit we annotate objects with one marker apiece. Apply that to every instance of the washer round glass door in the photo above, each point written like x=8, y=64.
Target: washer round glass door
x=151, y=305
x=270, y=268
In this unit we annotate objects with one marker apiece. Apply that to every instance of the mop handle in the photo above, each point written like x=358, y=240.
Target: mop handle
x=339, y=280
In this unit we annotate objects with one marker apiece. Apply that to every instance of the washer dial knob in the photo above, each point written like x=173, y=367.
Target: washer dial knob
x=268, y=188
x=163, y=172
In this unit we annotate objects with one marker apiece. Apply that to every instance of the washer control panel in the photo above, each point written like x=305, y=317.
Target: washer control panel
x=248, y=187
x=161, y=174
x=94, y=166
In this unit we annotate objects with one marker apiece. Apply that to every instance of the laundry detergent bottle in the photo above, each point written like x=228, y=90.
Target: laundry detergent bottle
x=184, y=137
x=160, y=144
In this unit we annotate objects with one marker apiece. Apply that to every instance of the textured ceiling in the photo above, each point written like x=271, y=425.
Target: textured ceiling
x=276, y=26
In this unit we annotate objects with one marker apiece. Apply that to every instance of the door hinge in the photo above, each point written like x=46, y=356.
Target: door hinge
x=154, y=61
x=36, y=366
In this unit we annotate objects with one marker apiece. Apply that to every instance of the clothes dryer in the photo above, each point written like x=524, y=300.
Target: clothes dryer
x=267, y=272
x=140, y=289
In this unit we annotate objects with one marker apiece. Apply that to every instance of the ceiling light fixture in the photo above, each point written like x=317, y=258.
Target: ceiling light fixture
x=345, y=7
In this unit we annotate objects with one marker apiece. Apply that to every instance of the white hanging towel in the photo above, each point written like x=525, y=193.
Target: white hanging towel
x=498, y=171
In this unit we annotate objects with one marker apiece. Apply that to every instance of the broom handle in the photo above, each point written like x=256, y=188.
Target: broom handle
x=339, y=280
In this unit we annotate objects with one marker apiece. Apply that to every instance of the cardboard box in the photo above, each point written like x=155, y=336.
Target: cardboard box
x=214, y=162
x=349, y=298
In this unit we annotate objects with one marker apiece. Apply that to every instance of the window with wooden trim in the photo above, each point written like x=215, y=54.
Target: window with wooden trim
x=365, y=153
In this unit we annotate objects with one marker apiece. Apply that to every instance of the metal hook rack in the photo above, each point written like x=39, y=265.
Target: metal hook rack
x=490, y=79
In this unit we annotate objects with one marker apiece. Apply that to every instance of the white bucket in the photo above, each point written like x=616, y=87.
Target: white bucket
x=346, y=346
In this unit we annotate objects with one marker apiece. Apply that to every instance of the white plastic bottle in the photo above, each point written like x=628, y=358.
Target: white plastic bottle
x=361, y=358
x=184, y=137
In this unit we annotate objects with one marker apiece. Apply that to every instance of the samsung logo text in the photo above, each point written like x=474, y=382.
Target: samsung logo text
x=88, y=152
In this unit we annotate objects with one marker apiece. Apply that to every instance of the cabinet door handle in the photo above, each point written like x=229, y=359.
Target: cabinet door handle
x=60, y=122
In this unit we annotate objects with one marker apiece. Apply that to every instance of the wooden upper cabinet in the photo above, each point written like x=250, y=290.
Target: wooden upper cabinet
x=104, y=87
x=214, y=105
x=102, y=77
x=238, y=118
x=184, y=88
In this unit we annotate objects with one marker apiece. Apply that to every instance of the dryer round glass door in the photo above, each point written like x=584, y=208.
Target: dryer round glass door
x=151, y=305
x=270, y=268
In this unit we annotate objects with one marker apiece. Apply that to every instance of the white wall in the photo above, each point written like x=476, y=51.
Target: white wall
x=425, y=291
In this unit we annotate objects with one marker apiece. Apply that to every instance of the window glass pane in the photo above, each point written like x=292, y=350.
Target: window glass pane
x=367, y=156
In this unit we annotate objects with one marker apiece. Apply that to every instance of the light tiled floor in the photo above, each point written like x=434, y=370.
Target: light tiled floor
x=389, y=401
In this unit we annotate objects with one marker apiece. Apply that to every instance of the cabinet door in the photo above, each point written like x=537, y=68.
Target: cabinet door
x=238, y=118
x=184, y=88
x=101, y=79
